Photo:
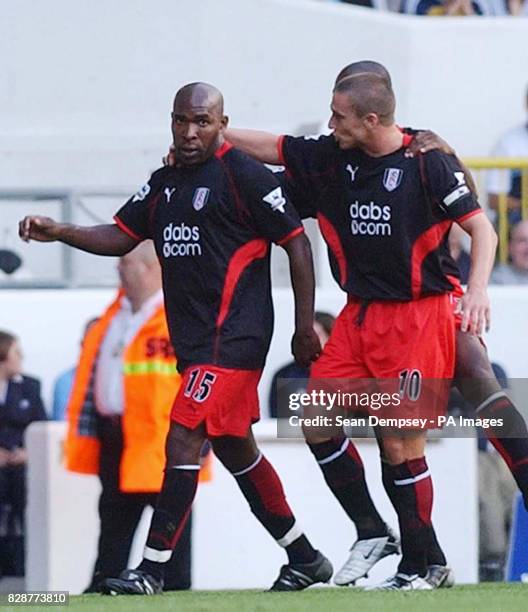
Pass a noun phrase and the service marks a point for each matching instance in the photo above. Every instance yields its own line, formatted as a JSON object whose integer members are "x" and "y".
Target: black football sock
{"x": 169, "y": 518}
{"x": 413, "y": 500}
{"x": 343, "y": 472}
{"x": 262, "y": 488}
{"x": 435, "y": 554}
{"x": 510, "y": 440}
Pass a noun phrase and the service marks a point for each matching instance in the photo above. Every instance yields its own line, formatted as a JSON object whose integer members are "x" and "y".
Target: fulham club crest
{"x": 392, "y": 178}
{"x": 200, "y": 198}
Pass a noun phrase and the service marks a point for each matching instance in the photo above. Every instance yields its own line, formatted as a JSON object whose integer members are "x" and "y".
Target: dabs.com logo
{"x": 181, "y": 240}
{"x": 370, "y": 219}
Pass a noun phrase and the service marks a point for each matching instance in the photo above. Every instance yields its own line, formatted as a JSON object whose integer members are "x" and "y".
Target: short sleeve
{"x": 446, "y": 183}
{"x": 133, "y": 218}
{"x": 299, "y": 197}
{"x": 270, "y": 209}
{"x": 309, "y": 161}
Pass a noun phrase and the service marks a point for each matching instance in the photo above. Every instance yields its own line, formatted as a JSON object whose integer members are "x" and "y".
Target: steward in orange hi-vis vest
{"x": 150, "y": 383}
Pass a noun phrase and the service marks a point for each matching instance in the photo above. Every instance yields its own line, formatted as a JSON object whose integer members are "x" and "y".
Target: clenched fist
{"x": 42, "y": 229}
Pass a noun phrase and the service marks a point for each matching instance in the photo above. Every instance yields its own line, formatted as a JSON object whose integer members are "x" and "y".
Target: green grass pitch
{"x": 474, "y": 598}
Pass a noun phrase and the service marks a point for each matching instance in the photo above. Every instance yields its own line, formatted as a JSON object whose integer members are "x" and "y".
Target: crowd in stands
{"x": 454, "y": 8}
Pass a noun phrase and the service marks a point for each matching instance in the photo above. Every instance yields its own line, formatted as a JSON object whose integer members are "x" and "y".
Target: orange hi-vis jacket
{"x": 150, "y": 384}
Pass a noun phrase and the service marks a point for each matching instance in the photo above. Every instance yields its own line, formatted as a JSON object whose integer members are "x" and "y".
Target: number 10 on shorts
{"x": 199, "y": 385}
{"x": 410, "y": 384}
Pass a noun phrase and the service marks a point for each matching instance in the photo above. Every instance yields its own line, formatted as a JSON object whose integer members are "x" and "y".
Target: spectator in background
{"x": 515, "y": 272}
{"x": 64, "y": 383}
{"x": 445, "y": 8}
{"x": 20, "y": 405}
{"x": 515, "y": 8}
{"x": 118, "y": 414}
{"x": 323, "y": 324}
{"x": 513, "y": 143}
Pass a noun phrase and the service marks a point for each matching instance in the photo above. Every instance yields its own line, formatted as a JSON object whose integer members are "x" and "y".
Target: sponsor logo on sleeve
{"x": 459, "y": 192}
{"x": 142, "y": 193}
{"x": 276, "y": 200}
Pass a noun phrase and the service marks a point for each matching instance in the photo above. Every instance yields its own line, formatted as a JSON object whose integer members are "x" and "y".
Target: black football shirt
{"x": 386, "y": 219}
{"x": 212, "y": 225}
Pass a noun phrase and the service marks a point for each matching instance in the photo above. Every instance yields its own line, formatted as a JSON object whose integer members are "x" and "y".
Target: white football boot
{"x": 364, "y": 554}
{"x": 402, "y": 582}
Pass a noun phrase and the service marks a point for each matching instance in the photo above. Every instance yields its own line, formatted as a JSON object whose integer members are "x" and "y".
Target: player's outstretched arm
{"x": 260, "y": 145}
{"x": 305, "y": 342}
{"x": 98, "y": 239}
{"x": 475, "y": 305}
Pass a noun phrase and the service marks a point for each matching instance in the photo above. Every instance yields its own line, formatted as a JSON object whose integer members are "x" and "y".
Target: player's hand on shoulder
{"x": 36, "y": 227}
{"x": 306, "y": 347}
{"x": 475, "y": 309}
{"x": 426, "y": 141}
{"x": 170, "y": 158}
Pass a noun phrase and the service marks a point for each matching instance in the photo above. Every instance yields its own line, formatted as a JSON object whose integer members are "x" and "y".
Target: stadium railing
{"x": 58, "y": 266}
{"x": 480, "y": 164}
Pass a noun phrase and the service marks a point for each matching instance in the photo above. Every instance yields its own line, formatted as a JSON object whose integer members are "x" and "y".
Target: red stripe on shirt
{"x": 426, "y": 243}
{"x": 280, "y": 142}
{"x": 296, "y": 232}
{"x": 219, "y": 153}
{"x": 468, "y": 215}
{"x": 126, "y": 229}
{"x": 334, "y": 243}
{"x": 407, "y": 139}
{"x": 241, "y": 259}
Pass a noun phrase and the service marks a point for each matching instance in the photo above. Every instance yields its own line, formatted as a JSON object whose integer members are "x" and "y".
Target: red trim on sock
{"x": 502, "y": 451}
{"x": 352, "y": 452}
{"x": 423, "y": 488}
{"x": 269, "y": 488}
{"x": 178, "y": 531}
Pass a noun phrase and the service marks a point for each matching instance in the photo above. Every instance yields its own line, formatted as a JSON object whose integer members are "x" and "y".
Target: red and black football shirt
{"x": 386, "y": 219}
{"x": 212, "y": 225}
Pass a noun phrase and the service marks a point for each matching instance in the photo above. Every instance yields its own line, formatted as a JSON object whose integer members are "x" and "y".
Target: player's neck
{"x": 384, "y": 141}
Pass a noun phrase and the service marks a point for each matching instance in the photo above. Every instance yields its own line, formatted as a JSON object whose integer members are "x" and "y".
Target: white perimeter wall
{"x": 81, "y": 83}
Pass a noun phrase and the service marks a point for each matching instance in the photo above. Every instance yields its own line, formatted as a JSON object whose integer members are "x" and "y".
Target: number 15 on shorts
{"x": 199, "y": 385}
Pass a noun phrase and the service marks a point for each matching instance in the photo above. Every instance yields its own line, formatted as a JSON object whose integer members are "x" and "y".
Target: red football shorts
{"x": 224, "y": 398}
{"x": 393, "y": 347}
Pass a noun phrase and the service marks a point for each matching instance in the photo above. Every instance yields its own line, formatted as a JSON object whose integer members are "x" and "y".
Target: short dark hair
{"x": 325, "y": 320}
{"x": 364, "y": 67}
{"x": 371, "y": 94}
{"x": 6, "y": 342}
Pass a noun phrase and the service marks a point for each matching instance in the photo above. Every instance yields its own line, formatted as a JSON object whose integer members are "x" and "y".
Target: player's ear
{"x": 371, "y": 120}
{"x": 224, "y": 122}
